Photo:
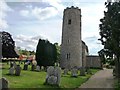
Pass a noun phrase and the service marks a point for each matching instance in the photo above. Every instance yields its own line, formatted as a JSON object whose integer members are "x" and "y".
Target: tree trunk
{"x": 117, "y": 66}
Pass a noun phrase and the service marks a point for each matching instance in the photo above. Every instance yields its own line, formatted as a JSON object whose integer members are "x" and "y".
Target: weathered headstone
{"x": 25, "y": 66}
{"x": 53, "y": 76}
{"x": 11, "y": 70}
{"x": 37, "y": 68}
{"x": 57, "y": 73}
{"x": 50, "y": 71}
{"x": 32, "y": 67}
{"x": 3, "y": 84}
{"x": 52, "y": 80}
{"x": 17, "y": 70}
{"x": 74, "y": 72}
{"x": 82, "y": 71}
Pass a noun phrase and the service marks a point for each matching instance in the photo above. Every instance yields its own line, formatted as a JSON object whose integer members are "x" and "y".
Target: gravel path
{"x": 102, "y": 79}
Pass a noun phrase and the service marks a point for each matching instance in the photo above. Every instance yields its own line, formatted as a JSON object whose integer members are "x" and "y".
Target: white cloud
{"x": 4, "y": 8}
{"x": 3, "y": 24}
{"x": 27, "y": 42}
{"x": 24, "y": 13}
{"x": 44, "y": 13}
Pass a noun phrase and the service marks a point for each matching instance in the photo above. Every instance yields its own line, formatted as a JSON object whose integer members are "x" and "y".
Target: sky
{"x": 29, "y": 20}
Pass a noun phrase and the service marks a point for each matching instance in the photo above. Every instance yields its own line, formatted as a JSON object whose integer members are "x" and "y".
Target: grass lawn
{"x": 33, "y": 79}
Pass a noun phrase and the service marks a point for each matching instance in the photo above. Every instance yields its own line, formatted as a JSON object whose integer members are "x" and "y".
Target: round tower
{"x": 71, "y": 46}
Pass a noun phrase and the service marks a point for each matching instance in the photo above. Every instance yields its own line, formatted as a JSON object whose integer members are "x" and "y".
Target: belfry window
{"x": 69, "y": 21}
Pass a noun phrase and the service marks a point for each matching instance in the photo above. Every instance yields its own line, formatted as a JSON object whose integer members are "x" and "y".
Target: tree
{"x": 110, "y": 32}
{"x": 8, "y": 45}
{"x": 46, "y": 53}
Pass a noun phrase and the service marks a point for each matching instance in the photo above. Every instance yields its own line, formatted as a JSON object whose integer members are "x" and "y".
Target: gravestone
{"x": 3, "y": 84}
{"x": 74, "y": 72}
{"x": 82, "y": 71}
{"x": 65, "y": 71}
{"x": 57, "y": 73}
{"x": 25, "y": 66}
{"x": 32, "y": 67}
{"x": 17, "y": 70}
{"x": 37, "y": 68}
{"x": 11, "y": 70}
{"x": 52, "y": 80}
{"x": 53, "y": 76}
{"x": 50, "y": 71}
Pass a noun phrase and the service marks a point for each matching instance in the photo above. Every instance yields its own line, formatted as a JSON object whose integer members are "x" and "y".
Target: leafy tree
{"x": 46, "y": 53}
{"x": 110, "y": 32}
{"x": 58, "y": 51}
{"x": 8, "y": 45}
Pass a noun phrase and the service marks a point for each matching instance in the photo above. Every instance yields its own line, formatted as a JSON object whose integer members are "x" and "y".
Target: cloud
{"x": 44, "y": 13}
{"x": 27, "y": 42}
{"x": 24, "y": 13}
{"x": 4, "y": 8}
{"x": 54, "y": 8}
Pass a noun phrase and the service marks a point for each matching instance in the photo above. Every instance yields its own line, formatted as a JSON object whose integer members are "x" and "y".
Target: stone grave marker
{"x": 17, "y": 70}
{"x": 57, "y": 73}
{"x": 74, "y": 72}
{"x": 37, "y": 68}
{"x": 3, "y": 83}
{"x": 82, "y": 71}
{"x": 32, "y": 67}
{"x": 11, "y": 70}
{"x": 53, "y": 76}
{"x": 25, "y": 66}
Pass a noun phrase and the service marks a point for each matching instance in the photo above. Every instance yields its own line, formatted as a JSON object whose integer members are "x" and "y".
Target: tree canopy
{"x": 110, "y": 28}
{"x": 8, "y": 45}
{"x": 46, "y": 53}
{"x": 110, "y": 31}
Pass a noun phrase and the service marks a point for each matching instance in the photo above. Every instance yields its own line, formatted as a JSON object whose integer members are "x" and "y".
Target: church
{"x": 74, "y": 51}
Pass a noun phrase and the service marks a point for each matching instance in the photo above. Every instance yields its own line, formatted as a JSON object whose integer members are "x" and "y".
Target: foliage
{"x": 110, "y": 31}
{"x": 25, "y": 52}
{"x": 46, "y": 53}
{"x": 58, "y": 51}
{"x": 8, "y": 45}
{"x": 110, "y": 28}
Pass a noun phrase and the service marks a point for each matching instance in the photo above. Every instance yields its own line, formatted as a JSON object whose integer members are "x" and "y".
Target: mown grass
{"x": 33, "y": 79}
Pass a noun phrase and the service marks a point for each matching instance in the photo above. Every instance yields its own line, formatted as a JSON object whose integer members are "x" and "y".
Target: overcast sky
{"x": 29, "y": 20}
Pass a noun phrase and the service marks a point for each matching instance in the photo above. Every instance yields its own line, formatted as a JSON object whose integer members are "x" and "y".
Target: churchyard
{"x": 37, "y": 79}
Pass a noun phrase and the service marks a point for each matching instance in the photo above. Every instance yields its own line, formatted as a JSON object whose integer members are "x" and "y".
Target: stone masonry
{"x": 71, "y": 47}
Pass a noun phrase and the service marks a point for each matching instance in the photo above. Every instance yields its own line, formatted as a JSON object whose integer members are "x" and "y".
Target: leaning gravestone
{"x": 11, "y": 70}
{"x": 82, "y": 71}
{"x": 74, "y": 72}
{"x": 25, "y": 66}
{"x": 3, "y": 84}
{"x": 17, "y": 70}
{"x": 53, "y": 76}
{"x": 37, "y": 68}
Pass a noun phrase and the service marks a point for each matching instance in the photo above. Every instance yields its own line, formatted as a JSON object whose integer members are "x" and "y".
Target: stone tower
{"x": 71, "y": 46}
